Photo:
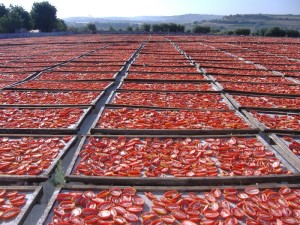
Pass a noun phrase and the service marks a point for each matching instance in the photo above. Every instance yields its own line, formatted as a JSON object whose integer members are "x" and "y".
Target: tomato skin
{"x": 19, "y": 203}
{"x": 178, "y": 214}
{"x": 225, "y": 213}
{"x": 251, "y": 190}
{"x": 77, "y": 220}
{"x": 169, "y": 219}
{"x": 159, "y": 210}
{"x": 209, "y": 214}
{"x": 249, "y": 210}
{"x": 290, "y": 220}
{"x": 296, "y": 213}
{"x": 119, "y": 220}
{"x": 188, "y": 222}
{"x": 231, "y": 221}
{"x": 131, "y": 217}
{"x": 148, "y": 216}
{"x": 232, "y": 198}
{"x": 2, "y": 193}
{"x": 237, "y": 212}
{"x": 207, "y": 222}
{"x": 10, "y": 213}
{"x": 91, "y": 219}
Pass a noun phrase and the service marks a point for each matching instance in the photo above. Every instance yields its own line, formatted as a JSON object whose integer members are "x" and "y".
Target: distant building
{"x": 35, "y": 31}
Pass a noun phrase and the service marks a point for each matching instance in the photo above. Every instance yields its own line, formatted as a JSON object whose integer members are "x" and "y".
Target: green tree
{"x": 168, "y": 27}
{"x": 156, "y": 28}
{"x": 174, "y": 28}
{"x": 260, "y": 32}
{"x": 230, "y": 32}
{"x": 215, "y": 31}
{"x": 92, "y": 27}
{"x": 137, "y": 29}
{"x": 3, "y": 10}
{"x": 111, "y": 28}
{"x": 292, "y": 33}
{"x": 58, "y": 179}
{"x": 43, "y": 16}
{"x": 201, "y": 29}
{"x": 25, "y": 16}
{"x": 61, "y": 25}
{"x": 242, "y": 31}
{"x": 10, "y": 22}
{"x": 129, "y": 28}
{"x": 146, "y": 27}
{"x": 275, "y": 32}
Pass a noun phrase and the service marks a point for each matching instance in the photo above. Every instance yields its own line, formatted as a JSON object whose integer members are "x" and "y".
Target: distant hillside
{"x": 254, "y": 21}
{"x": 217, "y": 23}
{"x": 188, "y": 18}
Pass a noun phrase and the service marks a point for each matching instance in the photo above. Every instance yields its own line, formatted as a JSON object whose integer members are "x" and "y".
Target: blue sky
{"x": 104, "y": 8}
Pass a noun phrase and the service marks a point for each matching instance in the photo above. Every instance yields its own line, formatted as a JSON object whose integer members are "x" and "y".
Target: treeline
{"x": 276, "y": 32}
{"x": 197, "y": 29}
{"x": 266, "y": 32}
{"x": 41, "y": 17}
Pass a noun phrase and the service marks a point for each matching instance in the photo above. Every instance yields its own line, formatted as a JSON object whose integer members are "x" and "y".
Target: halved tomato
{"x": 131, "y": 217}
{"x": 231, "y": 221}
{"x": 115, "y": 191}
{"x": 104, "y": 214}
{"x": 178, "y": 214}
{"x": 10, "y": 213}
{"x": 251, "y": 190}
{"x": 188, "y": 222}
{"x": 225, "y": 213}
{"x": 209, "y": 214}
{"x": 67, "y": 205}
{"x": 237, "y": 212}
{"x": 168, "y": 219}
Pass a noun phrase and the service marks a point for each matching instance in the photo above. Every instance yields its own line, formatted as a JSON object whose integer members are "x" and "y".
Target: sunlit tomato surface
{"x": 4, "y": 84}
{"x": 293, "y": 144}
{"x": 165, "y": 76}
{"x": 29, "y": 155}
{"x": 11, "y": 204}
{"x": 295, "y": 67}
{"x": 263, "y": 88}
{"x": 194, "y": 208}
{"x": 267, "y": 101}
{"x": 171, "y": 100}
{"x": 177, "y": 157}
{"x": 104, "y": 207}
{"x": 164, "y": 69}
{"x": 47, "y": 98}
{"x": 65, "y": 85}
{"x": 167, "y": 86}
{"x": 256, "y": 79}
{"x": 278, "y": 121}
{"x": 59, "y": 76}
{"x": 164, "y": 63}
{"x": 20, "y": 69}
{"x": 87, "y": 68}
{"x": 4, "y": 77}
{"x": 95, "y": 63}
{"x": 40, "y": 118}
{"x": 241, "y": 65}
{"x": 294, "y": 74}
{"x": 238, "y": 72}
{"x": 138, "y": 118}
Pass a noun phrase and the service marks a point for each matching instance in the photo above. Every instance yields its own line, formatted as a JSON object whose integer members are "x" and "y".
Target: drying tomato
{"x": 170, "y": 100}
{"x": 32, "y": 155}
